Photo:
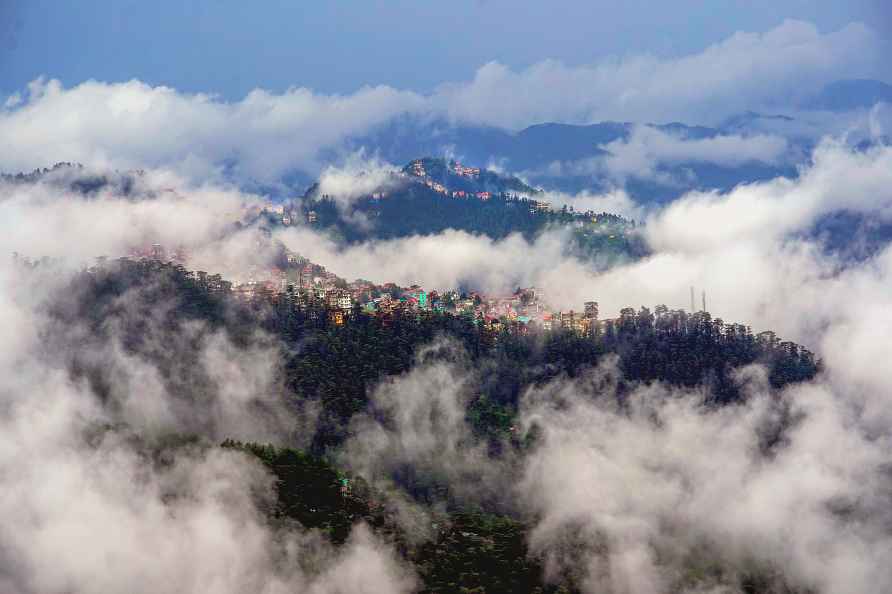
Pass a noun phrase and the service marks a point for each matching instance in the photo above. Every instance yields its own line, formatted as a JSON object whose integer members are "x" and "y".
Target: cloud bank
{"x": 266, "y": 136}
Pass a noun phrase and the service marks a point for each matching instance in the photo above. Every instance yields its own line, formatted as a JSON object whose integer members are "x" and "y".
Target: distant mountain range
{"x": 575, "y": 158}
{"x": 566, "y": 157}
{"x": 559, "y": 156}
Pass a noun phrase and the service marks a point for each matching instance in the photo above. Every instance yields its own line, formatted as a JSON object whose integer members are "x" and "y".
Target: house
{"x": 537, "y": 206}
{"x": 465, "y": 171}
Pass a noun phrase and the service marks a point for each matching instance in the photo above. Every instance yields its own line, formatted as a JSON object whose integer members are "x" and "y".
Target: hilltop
{"x": 429, "y": 196}
{"x": 443, "y": 175}
{"x": 565, "y": 157}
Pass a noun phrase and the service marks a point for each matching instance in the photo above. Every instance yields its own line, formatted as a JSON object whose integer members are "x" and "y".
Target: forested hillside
{"x": 162, "y": 313}
{"x": 488, "y": 204}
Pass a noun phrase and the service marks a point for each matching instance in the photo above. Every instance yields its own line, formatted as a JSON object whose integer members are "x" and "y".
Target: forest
{"x": 415, "y": 209}
{"x": 161, "y": 312}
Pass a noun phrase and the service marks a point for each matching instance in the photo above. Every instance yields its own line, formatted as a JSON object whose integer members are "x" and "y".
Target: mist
{"x": 625, "y": 494}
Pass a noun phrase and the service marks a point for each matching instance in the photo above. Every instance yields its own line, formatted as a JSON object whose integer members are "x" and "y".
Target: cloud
{"x": 52, "y": 218}
{"x": 90, "y": 478}
{"x": 745, "y": 71}
{"x": 88, "y": 485}
{"x": 446, "y": 260}
{"x": 616, "y": 202}
{"x": 418, "y": 421}
{"x": 266, "y": 136}
{"x": 648, "y": 148}
{"x": 654, "y": 491}
{"x": 133, "y": 125}
{"x": 663, "y": 494}
{"x": 357, "y": 178}
{"x": 629, "y": 497}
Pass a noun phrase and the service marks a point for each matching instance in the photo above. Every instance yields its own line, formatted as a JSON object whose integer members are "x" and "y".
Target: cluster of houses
{"x": 417, "y": 169}
{"x": 312, "y": 285}
{"x": 457, "y": 169}
{"x": 289, "y": 214}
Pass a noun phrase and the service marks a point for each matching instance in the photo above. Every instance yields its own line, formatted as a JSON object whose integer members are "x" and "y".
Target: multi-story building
{"x": 344, "y": 300}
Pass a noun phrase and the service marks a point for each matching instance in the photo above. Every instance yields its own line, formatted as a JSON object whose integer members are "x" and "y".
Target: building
{"x": 538, "y": 206}
{"x": 465, "y": 171}
{"x": 547, "y": 323}
{"x": 568, "y": 320}
{"x": 344, "y": 300}
{"x": 305, "y": 278}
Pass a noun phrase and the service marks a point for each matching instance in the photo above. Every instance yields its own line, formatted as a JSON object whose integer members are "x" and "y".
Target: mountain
{"x": 570, "y": 158}
{"x": 471, "y": 540}
{"x": 429, "y": 196}
{"x": 74, "y": 177}
{"x": 846, "y": 95}
{"x": 456, "y": 177}
{"x": 752, "y": 121}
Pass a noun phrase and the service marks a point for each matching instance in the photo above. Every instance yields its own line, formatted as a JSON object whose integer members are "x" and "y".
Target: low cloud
{"x": 648, "y": 148}
{"x": 663, "y": 494}
{"x": 89, "y": 485}
{"x": 265, "y": 136}
{"x": 133, "y": 125}
{"x": 627, "y": 497}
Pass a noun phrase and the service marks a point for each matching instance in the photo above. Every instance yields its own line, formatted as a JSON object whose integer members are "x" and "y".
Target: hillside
{"x": 474, "y": 539}
{"x": 431, "y": 197}
{"x": 558, "y": 156}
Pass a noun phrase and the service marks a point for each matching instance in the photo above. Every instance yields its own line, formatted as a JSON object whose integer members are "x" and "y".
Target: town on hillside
{"x": 314, "y": 287}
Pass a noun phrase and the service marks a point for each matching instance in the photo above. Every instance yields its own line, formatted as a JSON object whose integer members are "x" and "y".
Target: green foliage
{"x": 416, "y": 209}
{"x": 469, "y": 551}
{"x": 160, "y": 312}
{"x": 339, "y": 365}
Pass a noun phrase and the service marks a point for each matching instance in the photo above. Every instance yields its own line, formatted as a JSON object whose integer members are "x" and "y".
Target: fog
{"x": 627, "y": 498}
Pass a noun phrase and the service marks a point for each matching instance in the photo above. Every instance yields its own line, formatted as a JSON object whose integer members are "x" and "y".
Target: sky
{"x": 229, "y": 47}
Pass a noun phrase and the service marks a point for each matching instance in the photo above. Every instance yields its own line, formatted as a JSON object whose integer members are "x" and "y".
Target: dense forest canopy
{"x": 163, "y": 314}
{"x": 430, "y": 198}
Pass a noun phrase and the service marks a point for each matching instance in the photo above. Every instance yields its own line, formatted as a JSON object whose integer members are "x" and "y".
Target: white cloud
{"x": 746, "y": 71}
{"x": 134, "y": 125}
{"x": 663, "y": 494}
{"x": 265, "y": 135}
{"x": 616, "y": 202}
{"x": 647, "y": 148}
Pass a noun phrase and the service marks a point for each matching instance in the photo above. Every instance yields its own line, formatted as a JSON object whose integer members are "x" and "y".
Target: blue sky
{"x": 229, "y": 47}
